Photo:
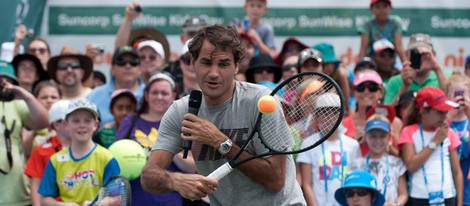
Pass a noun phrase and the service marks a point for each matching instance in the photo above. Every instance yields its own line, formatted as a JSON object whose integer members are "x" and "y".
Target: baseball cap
{"x": 124, "y": 50}
{"x": 434, "y": 98}
{"x": 57, "y": 111}
{"x": 372, "y": 2}
{"x": 382, "y": 45}
{"x": 122, "y": 92}
{"x": 377, "y": 124}
{"x": 359, "y": 179}
{"x": 310, "y": 53}
{"x": 186, "y": 46}
{"x": 420, "y": 40}
{"x": 328, "y": 100}
{"x": 367, "y": 75}
{"x": 384, "y": 110}
{"x": 194, "y": 24}
{"x": 365, "y": 63}
{"x": 162, "y": 76}
{"x": 155, "y": 45}
{"x": 81, "y": 104}
{"x": 6, "y": 69}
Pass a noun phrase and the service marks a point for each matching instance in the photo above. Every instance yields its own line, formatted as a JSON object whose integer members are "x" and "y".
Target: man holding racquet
{"x": 227, "y": 115}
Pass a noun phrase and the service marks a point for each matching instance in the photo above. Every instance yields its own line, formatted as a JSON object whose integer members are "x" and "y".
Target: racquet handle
{"x": 221, "y": 172}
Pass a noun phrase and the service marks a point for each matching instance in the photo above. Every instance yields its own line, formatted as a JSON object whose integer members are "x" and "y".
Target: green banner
{"x": 286, "y": 22}
{"x": 14, "y": 12}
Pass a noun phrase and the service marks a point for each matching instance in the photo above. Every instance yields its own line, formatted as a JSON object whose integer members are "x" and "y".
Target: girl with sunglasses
{"x": 359, "y": 189}
{"x": 387, "y": 169}
{"x": 429, "y": 150}
{"x": 368, "y": 91}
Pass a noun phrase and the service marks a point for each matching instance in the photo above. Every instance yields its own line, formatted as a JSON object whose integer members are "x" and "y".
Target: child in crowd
{"x": 458, "y": 89}
{"x": 76, "y": 173}
{"x": 323, "y": 168}
{"x": 387, "y": 169}
{"x": 123, "y": 102}
{"x": 255, "y": 9}
{"x": 40, "y": 156}
{"x": 381, "y": 26}
{"x": 429, "y": 150}
{"x": 359, "y": 189}
{"x": 47, "y": 92}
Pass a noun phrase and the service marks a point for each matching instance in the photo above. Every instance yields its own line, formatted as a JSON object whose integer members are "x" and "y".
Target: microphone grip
{"x": 187, "y": 143}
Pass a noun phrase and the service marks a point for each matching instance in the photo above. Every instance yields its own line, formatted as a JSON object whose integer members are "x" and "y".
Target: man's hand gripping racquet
{"x": 313, "y": 106}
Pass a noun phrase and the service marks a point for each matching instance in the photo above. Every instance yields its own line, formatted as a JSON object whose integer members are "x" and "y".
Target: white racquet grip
{"x": 221, "y": 172}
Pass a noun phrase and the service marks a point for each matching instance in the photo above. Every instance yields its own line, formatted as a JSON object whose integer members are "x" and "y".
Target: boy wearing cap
{"x": 381, "y": 26}
{"x": 430, "y": 72}
{"x": 383, "y": 53}
{"x": 387, "y": 169}
{"x": 323, "y": 168}
{"x": 359, "y": 189}
{"x": 38, "y": 160}
{"x": 429, "y": 150}
{"x": 76, "y": 173}
{"x": 19, "y": 110}
{"x": 310, "y": 60}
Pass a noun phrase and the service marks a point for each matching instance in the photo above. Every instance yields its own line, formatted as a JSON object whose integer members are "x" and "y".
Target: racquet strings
{"x": 116, "y": 191}
{"x": 311, "y": 107}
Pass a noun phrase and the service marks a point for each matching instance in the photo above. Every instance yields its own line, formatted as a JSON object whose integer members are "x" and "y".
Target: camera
{"x": 138, "y": 9}
{"x": 6, "y": 96}
{"x": 99, "y": 48}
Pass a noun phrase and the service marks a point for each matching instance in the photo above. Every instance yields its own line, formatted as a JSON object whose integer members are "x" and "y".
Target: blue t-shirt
{"x": 101, "y": 96}
{"x": 266, "y": 33}
{"x": 461, "y": 129}
{"x": 145, "y": 133}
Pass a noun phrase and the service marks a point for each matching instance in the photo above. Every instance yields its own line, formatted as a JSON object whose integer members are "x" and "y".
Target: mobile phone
{"x": 246, "y": 24}
{"x": 415, "y": 58}
{"x": 458, "y": 92}
{"x": 138, "y": 9}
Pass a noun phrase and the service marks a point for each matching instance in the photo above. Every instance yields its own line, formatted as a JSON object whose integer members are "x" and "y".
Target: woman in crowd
{"x": 143, "y": 127}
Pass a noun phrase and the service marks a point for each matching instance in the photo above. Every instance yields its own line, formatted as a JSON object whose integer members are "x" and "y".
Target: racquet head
{"x": 313, "y": 106}
{"x": 117, "y": 192}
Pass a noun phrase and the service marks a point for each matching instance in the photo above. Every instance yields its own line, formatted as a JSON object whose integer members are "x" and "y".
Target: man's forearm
{"x": 156, "y": 180}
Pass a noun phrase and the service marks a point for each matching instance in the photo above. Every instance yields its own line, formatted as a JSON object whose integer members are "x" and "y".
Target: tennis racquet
{"x": 313, "y": 107}
{"x": 116, "y": 192}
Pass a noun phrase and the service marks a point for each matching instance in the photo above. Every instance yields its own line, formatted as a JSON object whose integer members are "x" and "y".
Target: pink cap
{"x": 367, "y": 76}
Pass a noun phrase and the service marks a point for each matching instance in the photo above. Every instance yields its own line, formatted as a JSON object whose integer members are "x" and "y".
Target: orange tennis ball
{"x": 267, "y": 104}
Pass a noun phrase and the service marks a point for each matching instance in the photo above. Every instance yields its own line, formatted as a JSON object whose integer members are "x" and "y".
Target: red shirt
{"x": 40, "y": 157}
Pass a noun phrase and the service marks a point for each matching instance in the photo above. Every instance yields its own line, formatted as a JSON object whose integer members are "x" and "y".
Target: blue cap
{"x": 359, "y": 179}
{"x": 377, "y": 124}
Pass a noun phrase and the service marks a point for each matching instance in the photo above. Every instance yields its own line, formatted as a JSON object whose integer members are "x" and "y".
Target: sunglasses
{"x": 261, "y": 70}
{"x": 360, "y": 192}
{"x": 291, "y": 49}
{"x": 288, "y": 67}
{"x": 386, "y": 54}
{"x": 122, "y": 63}
{"x": 64, "y": 66}
{"x": 33, "y": 50}
{"x": 370, "y": 87}
{"x": 186, "y": 59}
{"x": 149, "y": 57}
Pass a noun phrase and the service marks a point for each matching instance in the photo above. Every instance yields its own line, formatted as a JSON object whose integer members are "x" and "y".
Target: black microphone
{"x": 195, "y": 98}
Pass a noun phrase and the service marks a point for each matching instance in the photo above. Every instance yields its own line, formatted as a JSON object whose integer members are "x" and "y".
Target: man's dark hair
{"x": 222, "y": 37}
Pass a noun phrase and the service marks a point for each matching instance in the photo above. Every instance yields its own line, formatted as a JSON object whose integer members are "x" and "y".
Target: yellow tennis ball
{"x": 267, "y": 104}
